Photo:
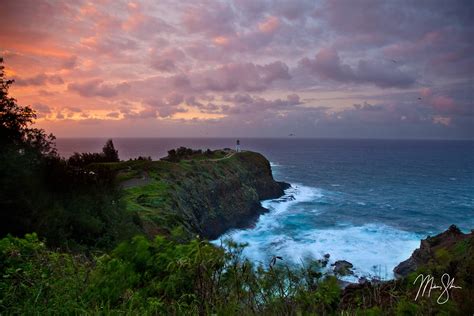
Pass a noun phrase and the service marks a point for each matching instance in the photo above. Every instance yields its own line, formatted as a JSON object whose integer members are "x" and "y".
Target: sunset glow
{"x": 246, "y": 68}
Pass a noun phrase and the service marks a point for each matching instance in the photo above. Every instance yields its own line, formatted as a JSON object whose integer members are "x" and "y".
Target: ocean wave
{"x": 374, "y": 248}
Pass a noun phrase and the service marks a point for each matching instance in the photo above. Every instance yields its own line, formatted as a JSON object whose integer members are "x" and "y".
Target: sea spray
{"x": 288, "y": 230}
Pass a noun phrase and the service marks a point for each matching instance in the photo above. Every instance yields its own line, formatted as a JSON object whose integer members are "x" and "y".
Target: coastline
{"x": 262, "y": 223}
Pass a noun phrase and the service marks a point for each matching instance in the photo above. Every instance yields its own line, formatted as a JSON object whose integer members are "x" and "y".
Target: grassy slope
{"x": 159, "y": 191}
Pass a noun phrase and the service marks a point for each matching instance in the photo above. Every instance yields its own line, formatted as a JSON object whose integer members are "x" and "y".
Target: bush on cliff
{"x": 176, "y": 155}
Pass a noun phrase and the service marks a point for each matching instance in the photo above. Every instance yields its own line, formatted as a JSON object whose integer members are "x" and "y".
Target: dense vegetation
{"x": 160, "y": 276}
{"x": 183, "y": 153}
{"x": 68, "y": 201}
{"x": 170, "y": 277}
{"x": 74, "y": 241}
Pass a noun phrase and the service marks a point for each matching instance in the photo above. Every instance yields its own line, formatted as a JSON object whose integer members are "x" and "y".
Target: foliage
{"x": 160, "y": 276}
{"x": 70, "y": 202}
{"x": 166, "y": 276}
{"x": 110, "y": 153}
{"x": 15, "y": 131}
{"x": 176, "y": 155}
{"x": 37, "y": 281}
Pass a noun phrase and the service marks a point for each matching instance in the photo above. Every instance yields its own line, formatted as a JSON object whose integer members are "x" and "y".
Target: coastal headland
{"x": 206, "y": 193}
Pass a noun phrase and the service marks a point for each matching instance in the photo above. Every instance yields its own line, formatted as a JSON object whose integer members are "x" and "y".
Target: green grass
{"x": 147, "y": 197}
{"x": 159, "y": 201}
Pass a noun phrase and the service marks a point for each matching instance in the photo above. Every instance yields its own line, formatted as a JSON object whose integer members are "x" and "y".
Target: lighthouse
{"x": 237, "y": 145}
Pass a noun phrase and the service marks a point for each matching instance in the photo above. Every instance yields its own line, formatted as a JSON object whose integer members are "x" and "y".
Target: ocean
{"x": 365, "y": 201}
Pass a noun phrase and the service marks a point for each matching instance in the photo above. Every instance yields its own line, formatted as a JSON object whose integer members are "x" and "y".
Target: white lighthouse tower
{"x": 237, "y": 145}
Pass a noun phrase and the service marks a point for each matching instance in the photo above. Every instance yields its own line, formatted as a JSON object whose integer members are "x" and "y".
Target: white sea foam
{"x": 374, "y": 249}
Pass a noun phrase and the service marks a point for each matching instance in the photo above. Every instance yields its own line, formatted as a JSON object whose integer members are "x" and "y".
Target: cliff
{"x": 431, "y": 250}
{"x": 450, "y": 252}
{"x": 206, "y": 194}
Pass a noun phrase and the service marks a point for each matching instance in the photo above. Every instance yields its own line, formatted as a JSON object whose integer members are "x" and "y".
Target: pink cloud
{"x": 167, "y": 59}
{"x": 241, "y": 76}
{"x": 97, "y": 87}
{"x": 328, "y": 65}
{"x": 442, "y": 103}
{"x": 184, "y": 55}
{"x": 215, "y": 19}
{"x": 40, "y": 80}
{"x": 270, "y": 25}
{"x": 426, "y": 92}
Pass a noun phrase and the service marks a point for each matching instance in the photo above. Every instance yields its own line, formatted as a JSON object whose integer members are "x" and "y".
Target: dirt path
{"x": 135, "y": 182}
{"x": 225, "y": 157}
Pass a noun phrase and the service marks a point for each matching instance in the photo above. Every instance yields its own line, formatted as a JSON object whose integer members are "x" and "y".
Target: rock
{"x": 426, "y": 252}
{"x": 343, "y": 267}
{"x": 227, "y": 195}
{"x": 363, "y": 280}
{"x": 324, "y": 261}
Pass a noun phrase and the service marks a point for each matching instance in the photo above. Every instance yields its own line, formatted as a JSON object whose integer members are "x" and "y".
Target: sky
{"x": 244, "y": 68}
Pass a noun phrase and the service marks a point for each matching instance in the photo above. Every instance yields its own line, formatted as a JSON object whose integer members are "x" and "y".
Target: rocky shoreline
{"x": 428, "y": 253}
{"x": 429, "y": 250}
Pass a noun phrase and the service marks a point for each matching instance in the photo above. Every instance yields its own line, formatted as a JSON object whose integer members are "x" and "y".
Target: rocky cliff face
{"x": 206, "y": 196}
{"x": 221, "y": 195}
{"x": 451, "y": 253}
{"x": 428, "y": 250}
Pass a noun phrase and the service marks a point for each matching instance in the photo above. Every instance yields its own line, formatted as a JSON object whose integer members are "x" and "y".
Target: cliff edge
{"x": 206, "y": 194}
{"x": 432, "y": 250}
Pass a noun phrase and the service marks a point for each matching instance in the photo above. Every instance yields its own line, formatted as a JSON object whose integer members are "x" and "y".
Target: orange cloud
{"x": 221, "y": 40}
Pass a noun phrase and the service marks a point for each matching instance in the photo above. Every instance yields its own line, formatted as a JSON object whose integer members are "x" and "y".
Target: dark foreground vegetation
{"x": 76, "y": 240}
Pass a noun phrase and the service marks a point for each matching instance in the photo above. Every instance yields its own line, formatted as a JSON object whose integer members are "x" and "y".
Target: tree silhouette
{"x": 110, "y": 153}
{"x": 15, "y": 121}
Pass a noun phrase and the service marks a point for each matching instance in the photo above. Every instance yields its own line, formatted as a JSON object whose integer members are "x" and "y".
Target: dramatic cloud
{"x": 242, "y": 77}
{"x": 39, "y": 80}
{"x": 328, "y": 65}
{"x": 167, "y": 59}
{"x": 242, "y": 67}
{"x": 96, "y": 87}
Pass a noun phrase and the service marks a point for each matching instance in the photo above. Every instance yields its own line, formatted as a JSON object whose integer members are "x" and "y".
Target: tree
{"x": 15, "y": 121}
{"x": 110, "y": 153}
{"x": 24, "y": 151}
